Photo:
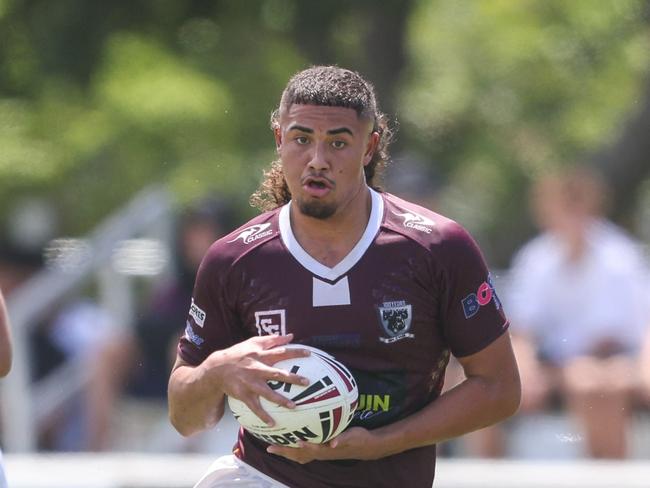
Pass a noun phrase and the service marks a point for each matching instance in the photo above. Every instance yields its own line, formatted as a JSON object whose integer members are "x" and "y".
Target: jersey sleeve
{"x": 211, "y": 324}
{"x": 472, "y": 314}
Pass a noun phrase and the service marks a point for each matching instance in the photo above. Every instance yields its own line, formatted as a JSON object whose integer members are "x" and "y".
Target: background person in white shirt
{"x": 578, "y": 309}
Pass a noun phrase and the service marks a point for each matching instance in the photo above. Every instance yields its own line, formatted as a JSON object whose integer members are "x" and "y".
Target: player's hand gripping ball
{"x": 324, "y": 408}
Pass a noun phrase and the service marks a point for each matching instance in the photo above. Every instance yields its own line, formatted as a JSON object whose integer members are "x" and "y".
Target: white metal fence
{"x": 24, "y": 404}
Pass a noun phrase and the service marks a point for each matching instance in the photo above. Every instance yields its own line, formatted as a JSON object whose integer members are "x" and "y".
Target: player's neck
{"x": 330, "y": 240}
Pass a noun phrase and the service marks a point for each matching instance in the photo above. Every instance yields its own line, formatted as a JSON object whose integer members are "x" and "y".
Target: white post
{"x": 19, "y": 429}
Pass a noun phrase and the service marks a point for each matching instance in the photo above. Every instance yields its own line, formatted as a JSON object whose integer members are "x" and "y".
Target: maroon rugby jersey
{"x": 413, "y": 290}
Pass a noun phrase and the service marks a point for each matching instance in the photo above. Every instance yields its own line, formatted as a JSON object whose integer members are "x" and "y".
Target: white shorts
{"x": 228, "y": 471}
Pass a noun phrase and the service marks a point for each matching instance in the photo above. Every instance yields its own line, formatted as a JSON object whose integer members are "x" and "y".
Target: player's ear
{"x": 278, "y": 138}
{"x": 371, "y": 147}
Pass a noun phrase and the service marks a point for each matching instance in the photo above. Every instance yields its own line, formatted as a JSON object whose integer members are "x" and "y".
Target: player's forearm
{"x": 196, "y": 402}
{"x": 473, "y": 404}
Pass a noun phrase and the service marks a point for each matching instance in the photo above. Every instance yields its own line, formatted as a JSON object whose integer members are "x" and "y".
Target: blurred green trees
{"x": 498, "y": 92}
{"x": 98, "y": 99}
{"x": 102, "y": 98}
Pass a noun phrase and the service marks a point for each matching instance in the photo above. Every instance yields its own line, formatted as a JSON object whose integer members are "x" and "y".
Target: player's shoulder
{"x": 243, "y": 240}
{"x": 422, "y": 225}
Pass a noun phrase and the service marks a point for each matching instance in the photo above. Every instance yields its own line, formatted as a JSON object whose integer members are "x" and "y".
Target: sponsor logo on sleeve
{"x": 395, "y": 318}
{"x": 253, "y": 233}
{"x": 270, "y": 322}
{"x": 416, "y": 221}
{"x": 486, "y": 293}
{"x": 197, "y": 314}
{"x": 191, "y": 336}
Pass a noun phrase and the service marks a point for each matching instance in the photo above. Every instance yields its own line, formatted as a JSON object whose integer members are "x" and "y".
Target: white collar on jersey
{"x": 331, "y": 274}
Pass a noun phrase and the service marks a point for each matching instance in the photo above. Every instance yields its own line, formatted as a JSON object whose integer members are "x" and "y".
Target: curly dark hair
{"x": 333, "y": 87}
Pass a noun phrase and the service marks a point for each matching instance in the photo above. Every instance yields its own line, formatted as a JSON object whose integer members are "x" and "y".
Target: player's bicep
{"x": 495, "y": 363}
{"x": 180, "y": 362}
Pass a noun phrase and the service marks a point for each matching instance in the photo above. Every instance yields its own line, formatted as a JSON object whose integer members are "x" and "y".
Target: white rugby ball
{"x": 324, "y": 408}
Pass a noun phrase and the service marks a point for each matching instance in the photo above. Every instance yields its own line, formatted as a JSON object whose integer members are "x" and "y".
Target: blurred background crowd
{"x": 132, "y": 134}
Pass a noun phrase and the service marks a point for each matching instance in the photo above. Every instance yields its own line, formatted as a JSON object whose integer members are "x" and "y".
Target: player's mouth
{"x": 317, "y": 186}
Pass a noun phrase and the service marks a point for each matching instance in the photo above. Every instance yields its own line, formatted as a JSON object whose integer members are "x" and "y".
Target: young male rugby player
{"x": 389, "y": 288}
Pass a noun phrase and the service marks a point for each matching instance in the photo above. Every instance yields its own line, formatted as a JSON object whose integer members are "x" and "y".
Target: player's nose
{"x": 318, "y": 160}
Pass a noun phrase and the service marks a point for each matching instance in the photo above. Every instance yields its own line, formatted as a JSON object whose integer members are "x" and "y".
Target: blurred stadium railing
{"x": 109, "y": 257}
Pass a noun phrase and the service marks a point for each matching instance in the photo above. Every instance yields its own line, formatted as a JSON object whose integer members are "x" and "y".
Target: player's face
{"x": 323, "y": 152}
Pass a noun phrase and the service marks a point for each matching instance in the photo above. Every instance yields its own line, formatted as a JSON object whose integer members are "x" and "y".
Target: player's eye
{"x": 301, "y": 140}
{"x": 338, "y": 144}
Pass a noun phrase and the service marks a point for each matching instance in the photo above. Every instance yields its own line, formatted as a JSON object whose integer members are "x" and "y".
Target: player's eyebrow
{"x": 332, "y": 132}
{"x": 301, "y": 129}
{"x": 340, "y": 130}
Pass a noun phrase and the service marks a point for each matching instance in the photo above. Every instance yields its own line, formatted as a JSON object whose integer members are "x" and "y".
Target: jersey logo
{"x": 197, "y": 314}
{"x": 270, "y": 322}
{"x": 473, "y": 302}
{"x": 253, "y": 233}
{"x": 416, "y": 221}
{"x": 395, "y": 318}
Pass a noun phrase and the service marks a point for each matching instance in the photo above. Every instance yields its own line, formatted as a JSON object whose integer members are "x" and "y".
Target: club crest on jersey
{"x": 485, "y": 293}
{"x": 254, "y": 232}
{"x": 416, "y": 221}
{"x": 270, "y": 322}
{"x": 395, "y": 318}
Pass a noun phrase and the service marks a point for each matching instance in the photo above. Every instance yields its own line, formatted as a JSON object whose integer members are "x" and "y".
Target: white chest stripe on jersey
{"x": 331, "y": 274}
{"x": 327, "y": 295}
